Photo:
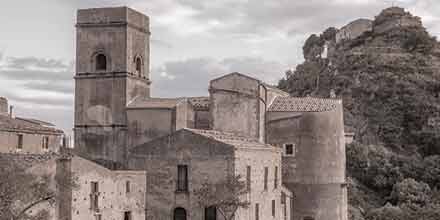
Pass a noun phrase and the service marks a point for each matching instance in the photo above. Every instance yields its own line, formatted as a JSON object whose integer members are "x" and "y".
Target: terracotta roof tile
{"x": 199, "y": 103}
{"x": 229, "y": 138}
{"x": 306, "y": 104}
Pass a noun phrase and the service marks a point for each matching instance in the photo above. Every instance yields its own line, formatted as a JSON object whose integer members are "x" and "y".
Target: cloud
{"x": 191, "y": 77}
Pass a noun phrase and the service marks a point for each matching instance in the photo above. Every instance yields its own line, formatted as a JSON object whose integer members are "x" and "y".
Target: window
{"x": 289, "y": 149}
{"x": 45, "y": 143}
{"x": 127, "y": 215}
{"x": 273, "y": 208}
{"x": 179, "y": 214}
{"x": 98, "y": 217}
{"x": 257, "y": 211}
{"x": 182, "y": 178}
{"x": 127, "y": 187}
{"x": 276, "y": 177}
{"x": 266, "y": 173}
{"x": 211, "y": 213}
{"x": 101, "y": 62}
{"x": 20, "y": 141}
{"x": 94, "y": 196}
{"x": 139, "y": 66}
{"x": 248, "y": 178}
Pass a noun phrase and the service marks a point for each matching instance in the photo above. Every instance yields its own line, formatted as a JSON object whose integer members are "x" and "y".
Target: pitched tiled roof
{"x": 229, "y": 138}
{"x": 306, "y": 104}
{"x": 199, "y": 103}
{"x": 155, "y": 103}
{"x": 25, "y": 125}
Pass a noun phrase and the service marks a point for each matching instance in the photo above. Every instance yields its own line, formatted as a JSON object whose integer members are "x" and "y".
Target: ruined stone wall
{"x": 32, "y": 142}
{"x": 207, "y": 160}
{"x": 113, "y": 199}
{"x": 258, "y": 159}
{"x": 354, "y": 29}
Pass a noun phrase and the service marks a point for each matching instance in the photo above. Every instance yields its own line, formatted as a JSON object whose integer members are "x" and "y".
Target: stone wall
{"x": 32, "y": 142}
{"x": 113, "y": 199}
{"x": 354, "y": 29}
{"x": 207, "y": 160}
{"x": 75, "y": 203}
{"x": 258, "y": 159}
{"x": 237, "y": 105}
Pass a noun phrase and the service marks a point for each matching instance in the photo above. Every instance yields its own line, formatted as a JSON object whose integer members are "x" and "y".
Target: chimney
{"x": 11, "y": 111}
{"x": 3, "y": 106}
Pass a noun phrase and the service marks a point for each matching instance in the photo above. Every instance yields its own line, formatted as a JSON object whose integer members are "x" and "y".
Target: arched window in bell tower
{"x": 139, "y": 66}
{"x": 100, "y": 62}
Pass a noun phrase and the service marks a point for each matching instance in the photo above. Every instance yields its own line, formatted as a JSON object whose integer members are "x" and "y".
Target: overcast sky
{"x": 192, "y": 42}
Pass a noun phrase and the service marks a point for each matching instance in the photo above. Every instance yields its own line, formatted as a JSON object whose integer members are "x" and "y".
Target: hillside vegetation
{"x": 388, "y": 75}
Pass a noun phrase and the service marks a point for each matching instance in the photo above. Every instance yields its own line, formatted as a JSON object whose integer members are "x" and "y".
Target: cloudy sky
{"x": 192, "y": 41}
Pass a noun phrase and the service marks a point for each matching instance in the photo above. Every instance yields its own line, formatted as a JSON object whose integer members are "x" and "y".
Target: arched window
{"x": 211, "y": 213}
{"x": 179, "y": 214}
{"x": 101, "y": 62}
{"x": 139, "y": 66}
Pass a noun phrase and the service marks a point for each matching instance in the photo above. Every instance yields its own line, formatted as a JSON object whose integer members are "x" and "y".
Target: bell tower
{"x": 112, "y": 68}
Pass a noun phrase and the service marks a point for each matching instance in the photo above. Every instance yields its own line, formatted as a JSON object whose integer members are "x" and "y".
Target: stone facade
{"x": 112, "y": 69}
{"x": 210, "y": 156}
{"x": 117, "y": 192}
{"x": 24, "y": 135}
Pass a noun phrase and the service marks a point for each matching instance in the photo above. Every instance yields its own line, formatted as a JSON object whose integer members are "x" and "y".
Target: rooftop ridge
{"x": 303, "y": 104}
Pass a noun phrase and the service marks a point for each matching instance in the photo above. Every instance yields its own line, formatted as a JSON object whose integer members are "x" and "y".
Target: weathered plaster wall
{"x": 319, "y": 186}
{"x": 207, "y": 160}
{"x": 202, "y": 119}
{"x": 236, "y": 105}
{"x": 104, "y": 144}
{"x": 32, "y": 142}
{"x": 147, "y": 124}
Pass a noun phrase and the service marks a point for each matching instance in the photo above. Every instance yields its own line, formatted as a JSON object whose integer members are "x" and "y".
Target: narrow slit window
{"x": 139, "y": 66}
{"x": 182, "y": 178}
{"x": 20, "y": 141}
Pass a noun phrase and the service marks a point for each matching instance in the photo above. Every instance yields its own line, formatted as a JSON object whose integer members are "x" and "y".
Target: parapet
{"x": 112, "y": 16}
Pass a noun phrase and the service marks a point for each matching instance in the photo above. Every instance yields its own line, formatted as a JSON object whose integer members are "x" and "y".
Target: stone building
{"x": 99, "y": 193}
{"x": 290, "y": 150}
{"x": 24, "y": 135}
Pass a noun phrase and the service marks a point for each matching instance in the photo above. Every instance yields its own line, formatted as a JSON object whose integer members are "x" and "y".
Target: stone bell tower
{"x": 112, "y": 68}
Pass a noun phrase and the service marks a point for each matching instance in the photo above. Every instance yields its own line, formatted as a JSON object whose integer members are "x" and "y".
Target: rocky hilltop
{"x": 387, "y": 71}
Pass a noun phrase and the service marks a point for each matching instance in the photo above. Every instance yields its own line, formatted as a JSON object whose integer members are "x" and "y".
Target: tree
{"x": 22, "y": 191}
{"x": 411, "y": 193}
{"x": 226, "y": 196}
